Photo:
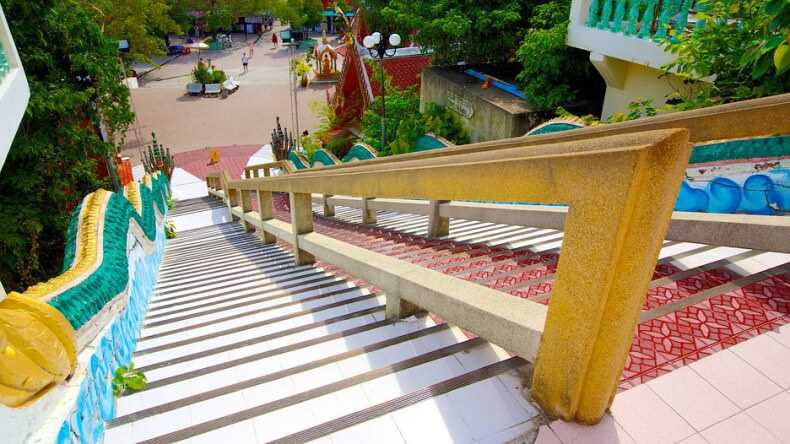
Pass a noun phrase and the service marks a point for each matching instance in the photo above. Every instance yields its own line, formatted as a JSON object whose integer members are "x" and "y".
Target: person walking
{"x": 274, "y": 40}
{"x": 245, "y": 60}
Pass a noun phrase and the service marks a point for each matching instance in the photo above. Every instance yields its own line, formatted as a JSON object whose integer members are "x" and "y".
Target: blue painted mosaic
{"x": 96, "y": 402}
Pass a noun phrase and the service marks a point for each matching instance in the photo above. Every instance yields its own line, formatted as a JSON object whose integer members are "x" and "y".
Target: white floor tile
{"x": 782, "y": 335}
{"x": 268, "y": 392}
{"x": 406, "y": 381}
{"x": 435, "y": 421}
{"x": 317, "y": 377}
{"x": 605, "y": 432}
{"x": 694, "y": 439}
{"x": 381, "y": 430}
{"x": 768, "y": 356}
{"x": 216, "y": 407}
{"x": 736, "y": 379}
{"x": 338, "y": 404}
{"x": 158, "y": 425}
{"x": 488, "y": 408}
{"x": 693, "y": 398}
{"x": 119, "y": 435}
{"x": 283, "y": 422}
{"x": 647, "y": 418}
{"x": 739, "y": 429}
{"x": 519, "y": 434}
{"x": 773, "y": 415}
{"x": 240, "y": 433}
{"x": 547, "y": 436}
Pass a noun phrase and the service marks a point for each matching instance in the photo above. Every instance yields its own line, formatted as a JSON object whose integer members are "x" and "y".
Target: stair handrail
{"x": 620, "y": 182}
{"x": 748, "y": 118}
{"x": 285, "y": 166}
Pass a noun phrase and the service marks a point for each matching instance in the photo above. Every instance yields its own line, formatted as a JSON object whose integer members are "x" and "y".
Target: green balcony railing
{"x": 647, "y": 19}
{"x": 5, "y": 64}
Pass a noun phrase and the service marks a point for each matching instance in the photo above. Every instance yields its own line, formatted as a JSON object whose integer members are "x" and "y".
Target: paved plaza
{"x": 247, "y": 117}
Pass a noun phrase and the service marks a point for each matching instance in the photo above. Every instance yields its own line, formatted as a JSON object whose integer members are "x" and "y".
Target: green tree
{"x": 736, "y": 45}
{"x": 218, "y": 14}
{"x": 144, "y": 23}
{"x": 401, "y": 105}
{"x": 405, "y": 123}
{"x": 299, "y": 13}
{"x": 457, "y": 31}
{"x": 73, "y": 73}
{"x": 553, "y": 73}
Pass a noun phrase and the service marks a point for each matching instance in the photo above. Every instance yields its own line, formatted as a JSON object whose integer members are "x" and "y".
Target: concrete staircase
{"x": 242, "y": 346}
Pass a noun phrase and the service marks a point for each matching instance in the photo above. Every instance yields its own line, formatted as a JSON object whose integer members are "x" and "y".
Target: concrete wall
{"x": 488, "y": 114}
{"x": 638, "y": 83}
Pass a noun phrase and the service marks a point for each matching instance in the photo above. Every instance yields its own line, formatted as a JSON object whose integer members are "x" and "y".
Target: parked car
{"x": 175, "y": 49}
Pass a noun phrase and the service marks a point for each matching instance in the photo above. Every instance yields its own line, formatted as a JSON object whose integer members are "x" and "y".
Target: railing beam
{"x": 301, "y": 223}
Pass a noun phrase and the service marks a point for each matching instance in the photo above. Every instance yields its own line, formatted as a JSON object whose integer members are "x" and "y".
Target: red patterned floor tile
{"x": 660, "y": 345}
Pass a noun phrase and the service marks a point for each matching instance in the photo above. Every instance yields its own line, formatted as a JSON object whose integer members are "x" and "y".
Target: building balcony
{"x": 14, "y": 90}
{"x": 624, "y": 39}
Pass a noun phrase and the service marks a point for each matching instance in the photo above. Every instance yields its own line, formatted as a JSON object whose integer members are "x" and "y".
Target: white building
{"x": 623, "y": 39}
{"x": 14, "y": 94}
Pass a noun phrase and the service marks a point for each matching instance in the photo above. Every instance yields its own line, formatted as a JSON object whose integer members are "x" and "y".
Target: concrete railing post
{"x": 301, "y": 223}
{"x": 438, "y": 226}
{"x": 246, "y": 207}
{"x": 233, "y": 200}
{"x": 398, "y": 308}
{"x": 265, "y": 213}
{"x": 368, "y": 214}
{"x": 329, "y": 209}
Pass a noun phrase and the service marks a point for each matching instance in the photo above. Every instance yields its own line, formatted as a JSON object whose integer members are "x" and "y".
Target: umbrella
{"x": 198, "y": 46}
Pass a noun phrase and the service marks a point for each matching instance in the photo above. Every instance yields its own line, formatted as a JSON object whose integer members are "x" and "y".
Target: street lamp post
{"x": 379, "y": 48}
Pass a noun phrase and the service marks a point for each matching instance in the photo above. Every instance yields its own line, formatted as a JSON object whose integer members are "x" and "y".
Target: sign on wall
{"x": 460, "y": 104}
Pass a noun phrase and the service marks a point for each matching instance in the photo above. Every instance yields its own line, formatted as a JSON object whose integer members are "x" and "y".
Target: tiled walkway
{"x": 739, "y": 395}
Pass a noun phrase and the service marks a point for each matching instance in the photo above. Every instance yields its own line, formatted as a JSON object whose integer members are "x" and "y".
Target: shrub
{"x": 339, "y": 146}
{"x": 445, "y": 123}
{"x": 170, "y": 230}
{"x": 301, "y": 67}
{"x": 219, "y": 76}
{"x": 200, "y": 74}
{"x": 409, "y": 130}
{"x": 310, "y": 144}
